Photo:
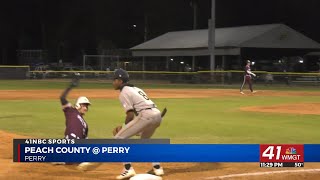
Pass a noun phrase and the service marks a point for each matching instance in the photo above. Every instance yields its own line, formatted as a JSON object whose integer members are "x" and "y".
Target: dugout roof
{"x": 228, "y": 41}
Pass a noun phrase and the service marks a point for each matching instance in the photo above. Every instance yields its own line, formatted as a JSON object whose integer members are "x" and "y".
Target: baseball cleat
{"x": 241, "y": 92}
{"x": 254, "y": 92}
{"x": 155, "y": 171}
{"x": 126, "y": 174}
{"x": 159, "y": 171}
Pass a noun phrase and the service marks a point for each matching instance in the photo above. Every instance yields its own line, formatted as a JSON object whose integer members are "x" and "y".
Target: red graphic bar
{"x": 18, "y": 152}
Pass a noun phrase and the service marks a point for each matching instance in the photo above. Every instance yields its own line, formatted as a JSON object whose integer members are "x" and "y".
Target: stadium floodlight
{"x": 181, "y": 62}
{"x": 171, "y": 59}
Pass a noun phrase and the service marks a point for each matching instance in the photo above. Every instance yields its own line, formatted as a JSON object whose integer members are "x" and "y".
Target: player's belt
{"x": 147, "y": 108}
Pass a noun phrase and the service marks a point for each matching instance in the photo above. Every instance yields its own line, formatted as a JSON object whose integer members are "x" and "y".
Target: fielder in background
{"x": 142, "y": 117}
{"x": 247, "y": 79}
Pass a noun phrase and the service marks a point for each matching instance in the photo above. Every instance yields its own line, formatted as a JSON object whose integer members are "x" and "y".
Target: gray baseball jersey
{"x": 133, "y": 98}
{"x": 148, "y": 119}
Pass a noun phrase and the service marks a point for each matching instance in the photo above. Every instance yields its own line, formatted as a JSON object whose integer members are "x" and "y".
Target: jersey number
{"x": 143, "y": 95}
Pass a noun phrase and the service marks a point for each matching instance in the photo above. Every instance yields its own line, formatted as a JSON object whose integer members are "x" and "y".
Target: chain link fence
{"x": 200, "y": 77}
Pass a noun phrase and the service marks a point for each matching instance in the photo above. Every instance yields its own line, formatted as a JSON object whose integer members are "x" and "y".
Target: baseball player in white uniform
{"x": 142, "y": 117}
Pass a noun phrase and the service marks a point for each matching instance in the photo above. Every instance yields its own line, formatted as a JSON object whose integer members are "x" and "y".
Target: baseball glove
{"x": 116, "y": 130}
{"x": 75, "y": 81}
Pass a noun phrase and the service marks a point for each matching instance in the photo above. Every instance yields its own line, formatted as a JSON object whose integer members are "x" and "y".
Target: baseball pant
{"x": 247, "y": 80}
{"x": 145, "y": 123}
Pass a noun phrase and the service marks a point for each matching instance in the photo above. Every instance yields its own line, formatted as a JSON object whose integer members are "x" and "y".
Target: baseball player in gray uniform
{"x": 142, "y": 117}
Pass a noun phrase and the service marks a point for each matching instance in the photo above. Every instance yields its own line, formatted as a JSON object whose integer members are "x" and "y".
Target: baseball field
{"x": 196, "y": 114}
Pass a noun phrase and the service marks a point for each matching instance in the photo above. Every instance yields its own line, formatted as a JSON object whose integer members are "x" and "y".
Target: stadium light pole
{"x": 145, "y": 32}
{"x": 194, "y": 5}
{"x": 211, "y": 39}
{"x": 145, "y": 38}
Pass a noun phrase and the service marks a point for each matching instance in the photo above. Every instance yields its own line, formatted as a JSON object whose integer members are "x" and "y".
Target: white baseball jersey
{"x": 133, "y": 98}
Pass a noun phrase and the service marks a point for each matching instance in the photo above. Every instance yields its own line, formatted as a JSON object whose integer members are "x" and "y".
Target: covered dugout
{"x": 260, "y": 43}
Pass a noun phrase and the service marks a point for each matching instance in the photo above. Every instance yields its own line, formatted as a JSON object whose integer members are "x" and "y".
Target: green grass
{"x": 210, "y": 120}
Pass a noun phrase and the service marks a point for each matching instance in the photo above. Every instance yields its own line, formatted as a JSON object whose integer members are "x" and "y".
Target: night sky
{"x": 81, "y": 26}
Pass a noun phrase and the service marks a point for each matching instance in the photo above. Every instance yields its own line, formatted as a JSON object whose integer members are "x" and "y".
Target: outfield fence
{"x": 14, "y": 72}
{"x": 200, "y": 77}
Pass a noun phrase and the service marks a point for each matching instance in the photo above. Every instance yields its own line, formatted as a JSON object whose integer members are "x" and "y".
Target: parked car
{"x": 43, "y": 71}
{"x": 72, "y": 71}
{"x": 94, "y": 74}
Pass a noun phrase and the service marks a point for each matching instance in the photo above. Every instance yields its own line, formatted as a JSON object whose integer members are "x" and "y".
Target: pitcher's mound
{"x": 297, "y": 108}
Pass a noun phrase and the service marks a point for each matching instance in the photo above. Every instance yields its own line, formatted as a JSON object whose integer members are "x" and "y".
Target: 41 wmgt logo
{"x": 281, "y": 153}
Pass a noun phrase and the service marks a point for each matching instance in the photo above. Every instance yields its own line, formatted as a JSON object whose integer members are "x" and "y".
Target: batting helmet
{"x": 82, "y": 100}
{"x": 121, "y": 74}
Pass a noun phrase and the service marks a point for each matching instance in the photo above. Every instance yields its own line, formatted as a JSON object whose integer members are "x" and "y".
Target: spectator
{"x": 269, "y": 79}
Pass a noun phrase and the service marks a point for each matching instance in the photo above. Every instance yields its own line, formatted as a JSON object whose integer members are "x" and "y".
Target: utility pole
{"x": 145, "y": 37}
{"x": 211, "y": 39}
{"x": 145, "y": 34}
{"x": 195, "y": 13}
{"x": 194, "y": 4}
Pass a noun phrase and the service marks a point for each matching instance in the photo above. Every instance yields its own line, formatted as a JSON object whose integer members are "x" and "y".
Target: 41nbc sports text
{"x": 49, "y": 141}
